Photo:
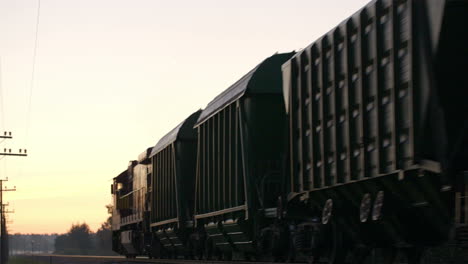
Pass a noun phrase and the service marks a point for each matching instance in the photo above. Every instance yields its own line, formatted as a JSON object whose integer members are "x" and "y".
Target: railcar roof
{"x": 181, "y": 130}
{"x": 266, "y": 73}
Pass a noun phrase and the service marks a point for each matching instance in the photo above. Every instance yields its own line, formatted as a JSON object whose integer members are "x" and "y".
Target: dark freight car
{"x": 239, "y": 156}
{"x": 173, "y": 186}
{"x": 360, "y": 98}
{"x": 381, "y": 100}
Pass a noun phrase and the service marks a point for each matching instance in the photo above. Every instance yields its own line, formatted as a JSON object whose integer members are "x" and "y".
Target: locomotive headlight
{"x": 365, "y": 208}
{"x": 327, "y": 211}
{"x": 377, "y": 208}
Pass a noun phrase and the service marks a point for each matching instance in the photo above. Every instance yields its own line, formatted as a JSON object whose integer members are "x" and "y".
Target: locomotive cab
{"x": 130, "y": 212}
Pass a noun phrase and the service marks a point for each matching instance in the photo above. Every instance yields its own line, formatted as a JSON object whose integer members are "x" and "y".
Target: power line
{"x": 2, "y": 113}
{"x": 33, "y": 75}
{"x": 28, "y": 121}
{"x": 1, "y": 95}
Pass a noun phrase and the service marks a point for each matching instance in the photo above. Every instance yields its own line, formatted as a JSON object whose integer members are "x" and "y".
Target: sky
{"x": 112, "y": 77}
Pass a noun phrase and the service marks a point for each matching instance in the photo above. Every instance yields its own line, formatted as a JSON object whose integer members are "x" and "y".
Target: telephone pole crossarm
{"x": 6, "y": 135}
{"x": 14, "y": 154}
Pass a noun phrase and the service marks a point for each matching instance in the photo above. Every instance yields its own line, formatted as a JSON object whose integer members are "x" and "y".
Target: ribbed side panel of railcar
{"x": 164, "y": 185}
{"x": 355, "y": 99}
{"x": 220, "y": 180}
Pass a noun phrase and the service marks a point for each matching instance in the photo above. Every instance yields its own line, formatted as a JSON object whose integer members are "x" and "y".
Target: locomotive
{"x": 350, "y": 150}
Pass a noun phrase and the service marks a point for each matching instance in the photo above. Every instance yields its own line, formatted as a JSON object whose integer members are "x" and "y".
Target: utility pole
{"x": 3, "y": 245}
{"x": 3, "y": 238}
{"x": 11, "y": 242}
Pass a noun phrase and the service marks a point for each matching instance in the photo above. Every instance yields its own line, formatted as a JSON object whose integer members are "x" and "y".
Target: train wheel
{"x": 291, "y": 256}
{"x": 375, "y": 255}
{"x": 266, "y": 245}
{"x": 208, "y": 249}
{"x": 218, "y": 254}
{"x": 227, "y": 256}
{"x": 413, "y": 255}
{"x": 191, "y": 249}
{"x": 393, "y": 256}
{"x": 196, "y": 245}
{"x": 332, "y": 250}
{"x": 358, "y": 255}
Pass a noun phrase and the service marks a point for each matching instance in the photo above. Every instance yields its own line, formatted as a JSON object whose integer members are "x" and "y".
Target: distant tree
{"x": 79, "y": 240}
{"x": 61, "y": 244}
{"x": 76, "y": 241}
{"x": 104, "y": 236}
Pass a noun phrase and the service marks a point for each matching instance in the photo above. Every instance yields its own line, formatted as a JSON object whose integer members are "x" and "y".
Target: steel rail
{"x": 75, "y": 259}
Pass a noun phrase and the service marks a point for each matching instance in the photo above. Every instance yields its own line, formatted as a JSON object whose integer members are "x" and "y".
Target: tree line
{"x": 79, "y": 240}
{"x": 20, "y": 244}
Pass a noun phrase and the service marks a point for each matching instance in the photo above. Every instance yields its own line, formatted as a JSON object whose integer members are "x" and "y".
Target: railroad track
{"x": 66, "y": 259}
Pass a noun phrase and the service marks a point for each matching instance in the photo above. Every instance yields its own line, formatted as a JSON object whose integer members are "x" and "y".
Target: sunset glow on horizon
{"x": 112, "y": 77}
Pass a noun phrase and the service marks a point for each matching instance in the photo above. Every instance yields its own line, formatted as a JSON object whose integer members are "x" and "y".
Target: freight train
{"x": 352, "y": 149}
